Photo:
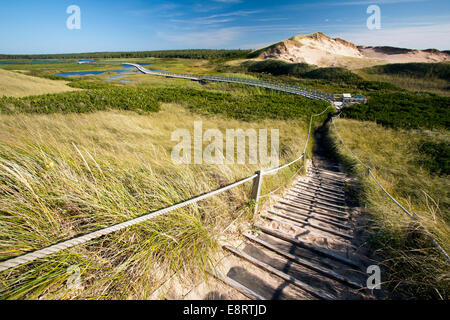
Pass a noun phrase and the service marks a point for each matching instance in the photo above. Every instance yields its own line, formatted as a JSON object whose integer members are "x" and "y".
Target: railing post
{"x": 256, "y": 189}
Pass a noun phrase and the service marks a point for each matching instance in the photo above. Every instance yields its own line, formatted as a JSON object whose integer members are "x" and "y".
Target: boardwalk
{"x": 305, "y": 92}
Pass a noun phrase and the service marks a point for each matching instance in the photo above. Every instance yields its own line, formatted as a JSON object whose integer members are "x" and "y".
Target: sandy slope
{"x": 395, "y": 55}
{"x": 18, "y": 85}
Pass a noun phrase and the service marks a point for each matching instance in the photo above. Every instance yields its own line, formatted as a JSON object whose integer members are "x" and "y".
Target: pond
{"x": 126, "y": 69}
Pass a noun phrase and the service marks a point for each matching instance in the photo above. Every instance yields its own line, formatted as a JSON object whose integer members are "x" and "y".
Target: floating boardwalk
{"x": 337, "y": 100}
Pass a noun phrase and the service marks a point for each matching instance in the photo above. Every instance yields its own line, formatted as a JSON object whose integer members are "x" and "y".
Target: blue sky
{"x": 133, "y": 25}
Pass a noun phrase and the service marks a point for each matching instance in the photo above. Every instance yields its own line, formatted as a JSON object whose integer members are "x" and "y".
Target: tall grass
{"x": 413, "y": 267}
{"x": 64, "y": 175}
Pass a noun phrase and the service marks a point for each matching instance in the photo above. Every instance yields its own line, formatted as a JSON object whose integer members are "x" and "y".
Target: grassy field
{"x": 75, "y": 162}
{"x": 429, "y": 77}
{"x": 14, "y": 84}
{"x": 403, "y": 110}
{"x": 437, "y": 86}
{"x": 64, "y": 175}
{"x": 405, "y": 162}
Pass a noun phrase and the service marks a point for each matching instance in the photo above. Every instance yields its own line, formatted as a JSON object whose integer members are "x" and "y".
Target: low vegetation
{"x": 277, "y": 67}
{"x": 303, "y": 70}
{"x": 403, "y": 110}
{"x": 430, "y": 77}
{"x": 333, "y": 79}
{"x": 244, "y": 107}
{"x": 416, "y": 70}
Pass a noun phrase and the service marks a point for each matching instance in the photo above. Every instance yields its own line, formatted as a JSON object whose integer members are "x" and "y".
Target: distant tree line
{"x": 187, "y": 54}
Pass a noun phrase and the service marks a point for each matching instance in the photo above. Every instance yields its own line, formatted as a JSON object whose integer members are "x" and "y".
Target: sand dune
{"x": 323, "y": 51}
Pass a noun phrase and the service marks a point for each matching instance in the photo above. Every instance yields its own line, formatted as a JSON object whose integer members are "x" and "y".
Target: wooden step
{"x": 316, "y": 183}
{"x": 312, "y": 225}
{"x": 295, "y": 226}
{"x": 336, "y": 173}
{"x": 237, "y": 286}
{"x": 311, "y": 204}
{"x": 315, "y": 199}
{"x": 327, "y": 172}
{"x": 318, "y": 195}
{"x": 326, "y": 177}
{"x": 326, "y": 182}
{"x": 318, "y": 192}
{"x": 322, "y": 188}
{"x": 279, "y": 273}
{"x": 305, "y": 208}
{"x": 322, "y": 270}
{"x": 322, "y": 251}
{"x": 315, "y": 217}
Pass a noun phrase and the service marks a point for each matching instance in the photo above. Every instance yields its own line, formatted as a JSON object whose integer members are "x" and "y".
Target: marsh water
{"x": 126, "y": 69}
{"x": 118, "y": 73}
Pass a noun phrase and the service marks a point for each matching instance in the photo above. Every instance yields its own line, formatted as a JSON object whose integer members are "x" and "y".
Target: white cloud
{"x": 241, "y": 13}
{"x": 213, "y": 19}
{"x": 220, "y": 38}
{"x": 271, "y": 19}
{"x": 202, "y": 21}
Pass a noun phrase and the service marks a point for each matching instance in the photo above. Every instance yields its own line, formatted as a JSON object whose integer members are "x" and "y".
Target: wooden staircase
{"x": 306, "y": 245}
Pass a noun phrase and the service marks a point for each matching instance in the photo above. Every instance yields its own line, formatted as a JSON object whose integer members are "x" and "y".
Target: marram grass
{"x": 413, "y": 267}
{"x": 64, "y": 175}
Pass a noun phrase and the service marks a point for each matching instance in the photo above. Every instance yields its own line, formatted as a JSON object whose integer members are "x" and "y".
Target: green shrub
{"x": 415, "y": 70}
{"x": 248, "y": 107}
{"x": 377, "y": 85}
{"x": 335, "y": 74}
{"x": 82, "y": 84}
{"x": 403, "y": 110}
{"x": 277, "y": 67}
